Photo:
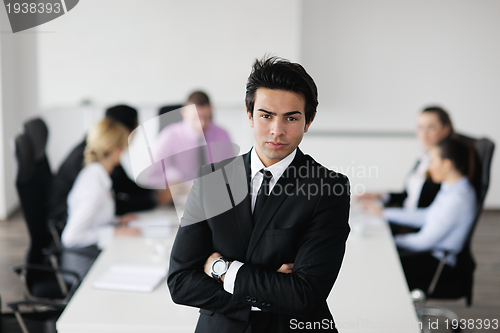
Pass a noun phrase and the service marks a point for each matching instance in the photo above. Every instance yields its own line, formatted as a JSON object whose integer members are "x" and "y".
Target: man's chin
{"x": 277, "y": 154}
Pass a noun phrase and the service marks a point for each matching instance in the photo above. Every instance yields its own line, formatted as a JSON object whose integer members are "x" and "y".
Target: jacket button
{"x": 268, "y": 303}
{"x": 263, "y": 303}
{"x": 248, "y": 298}
{"x": 254, "y": 300}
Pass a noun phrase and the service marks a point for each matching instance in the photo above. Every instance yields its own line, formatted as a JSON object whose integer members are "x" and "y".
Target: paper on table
{"x": 131, "y": 277}
{"x": 153, "y": 226}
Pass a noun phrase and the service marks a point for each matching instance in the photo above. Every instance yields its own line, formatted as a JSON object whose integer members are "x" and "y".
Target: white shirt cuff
{"x": 231, "y": 276}
{"x": 385, "y": 197}
{"x": 105, "y": 236}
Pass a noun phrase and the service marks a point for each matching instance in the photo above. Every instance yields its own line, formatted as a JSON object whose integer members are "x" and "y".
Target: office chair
{"x": 40, "y": 281}
{"x": 34, "y": 322}
{"x": 460, "y": 285}
{"x": 37, "y": 132}
{"x": 172, "y": 118}
{"x": 44, "y": 286}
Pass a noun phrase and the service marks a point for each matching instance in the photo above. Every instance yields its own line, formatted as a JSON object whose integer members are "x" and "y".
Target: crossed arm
{"x": 315, "y": 268}
{"x": 285, "y": 268}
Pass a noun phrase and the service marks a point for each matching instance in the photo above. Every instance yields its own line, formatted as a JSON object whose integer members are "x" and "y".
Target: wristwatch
{"x": 219, "y": 268}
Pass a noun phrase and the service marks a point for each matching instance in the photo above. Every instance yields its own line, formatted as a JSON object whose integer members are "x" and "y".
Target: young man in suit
{"x": 268, "y": 263}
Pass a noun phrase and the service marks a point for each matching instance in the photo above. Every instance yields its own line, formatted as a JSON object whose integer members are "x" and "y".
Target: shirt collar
{"x": 445, "y": 185}
{"x": 103, "y": 175}
{"x": 188, "y": 129}
{"x": 277, "y": 169}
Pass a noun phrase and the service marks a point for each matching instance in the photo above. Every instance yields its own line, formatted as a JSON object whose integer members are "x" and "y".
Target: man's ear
{"x": 250, "y": 118}
{"x": 306, "y": 128}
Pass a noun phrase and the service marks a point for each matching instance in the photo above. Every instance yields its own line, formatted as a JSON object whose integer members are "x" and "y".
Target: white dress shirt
{"x": 277, "y": 171}
{"x": 91, "y": 209}
{"x": 444, "y": 225}
{"x": 414, "y": 183}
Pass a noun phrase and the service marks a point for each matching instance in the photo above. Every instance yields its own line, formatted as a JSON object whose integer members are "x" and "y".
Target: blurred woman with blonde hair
{"x": 91, "y": 207}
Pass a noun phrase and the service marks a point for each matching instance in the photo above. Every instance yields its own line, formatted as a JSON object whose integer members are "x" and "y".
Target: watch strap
{"x": 215, "y": 276}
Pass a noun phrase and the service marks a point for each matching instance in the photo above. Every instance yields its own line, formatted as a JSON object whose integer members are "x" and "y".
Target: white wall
{"x": 18, "y": 101}
{"x": 151, "y": 52}
{"x": 377, "y": 63}
{"x": 148, "y": 53}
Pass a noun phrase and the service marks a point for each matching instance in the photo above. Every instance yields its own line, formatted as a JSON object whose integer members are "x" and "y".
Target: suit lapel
{"x": 286, "y": 184}
{"x": 243, "y": 210}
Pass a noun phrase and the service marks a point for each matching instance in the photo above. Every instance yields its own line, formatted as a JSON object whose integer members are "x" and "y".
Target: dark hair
{"x": 462, "y": 154}
{"x": 198, "y": 98}
{"x": 124, "y": 114}
{"x": 443, "y": 116}
{"x": 281, "y": 74}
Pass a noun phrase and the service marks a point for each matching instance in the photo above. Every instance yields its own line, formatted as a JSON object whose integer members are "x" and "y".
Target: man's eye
{"x": 292, "y": 118}
{"x": 266, "y": 116}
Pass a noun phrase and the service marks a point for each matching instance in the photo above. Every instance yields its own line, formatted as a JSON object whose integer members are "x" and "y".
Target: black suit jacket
{"x": 306, "y": 224}
{"x": 427, "y": 194}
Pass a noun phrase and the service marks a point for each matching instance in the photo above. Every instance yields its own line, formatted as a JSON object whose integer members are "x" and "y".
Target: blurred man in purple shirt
{"x": 195, "y": 141}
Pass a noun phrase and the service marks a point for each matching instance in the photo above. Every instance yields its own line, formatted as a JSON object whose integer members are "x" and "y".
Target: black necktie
{"x": 201, "y": 152}
{"x": 416, "y": 165}
{"x": 262, "y": 195}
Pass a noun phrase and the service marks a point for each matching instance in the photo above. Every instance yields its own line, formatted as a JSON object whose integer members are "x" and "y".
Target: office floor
{"x": 486, "y": 248}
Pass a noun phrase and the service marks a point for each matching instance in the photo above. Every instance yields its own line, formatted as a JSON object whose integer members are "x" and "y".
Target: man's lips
{"x": 276, "y": 145}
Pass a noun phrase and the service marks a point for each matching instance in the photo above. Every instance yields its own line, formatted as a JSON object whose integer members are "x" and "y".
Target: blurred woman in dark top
{"x": 433, "y": 125}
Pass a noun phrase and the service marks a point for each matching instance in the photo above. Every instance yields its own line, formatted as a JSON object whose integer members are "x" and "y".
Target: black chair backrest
{"x": 465, "y": 261}
{"x": 25, "y": 157}
{"x": 38, "y": 133}
{"x": 173, "y": 118}
{"x": 32, "y": 182}
{"x": 484, "y": 150}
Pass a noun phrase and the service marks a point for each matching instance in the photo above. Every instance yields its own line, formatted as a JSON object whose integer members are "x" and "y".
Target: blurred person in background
{"x": 433, "y": 125}
{"x": 91, "y": 207}
{"x": 184, "y": 145}
{"x": 128, "y": 196}
{"x": 446, "y": 223}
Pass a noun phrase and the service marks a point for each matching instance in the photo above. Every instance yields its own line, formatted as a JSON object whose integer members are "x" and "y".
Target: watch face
{"x": 219, "y": 267}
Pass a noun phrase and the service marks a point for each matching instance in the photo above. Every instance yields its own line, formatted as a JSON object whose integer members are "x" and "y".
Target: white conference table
{"x": 370, "y": 294}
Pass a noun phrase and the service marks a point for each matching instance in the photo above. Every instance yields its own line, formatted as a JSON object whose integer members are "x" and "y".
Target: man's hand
{"x": 208, "y": 264}
{"x": 369, "y": 196}
{"x": 373, "y": 207}
{"x": 127, "y": 231}
{"x": 164, "y": 197}
{"x": 124, "y": 219}
{"x": 285, "y": 268}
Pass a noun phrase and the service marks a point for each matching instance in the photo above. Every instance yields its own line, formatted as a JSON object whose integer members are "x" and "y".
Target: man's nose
{"x": 277, "y": 128}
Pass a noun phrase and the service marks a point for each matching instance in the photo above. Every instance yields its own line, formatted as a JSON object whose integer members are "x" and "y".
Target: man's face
{"x": 279, "y": 123}
{"x": 204, "y": 114}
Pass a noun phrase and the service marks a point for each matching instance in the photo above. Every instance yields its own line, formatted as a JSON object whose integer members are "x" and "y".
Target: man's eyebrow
{"x": 286, "y": 114}
{"x": 268, "y": 112}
